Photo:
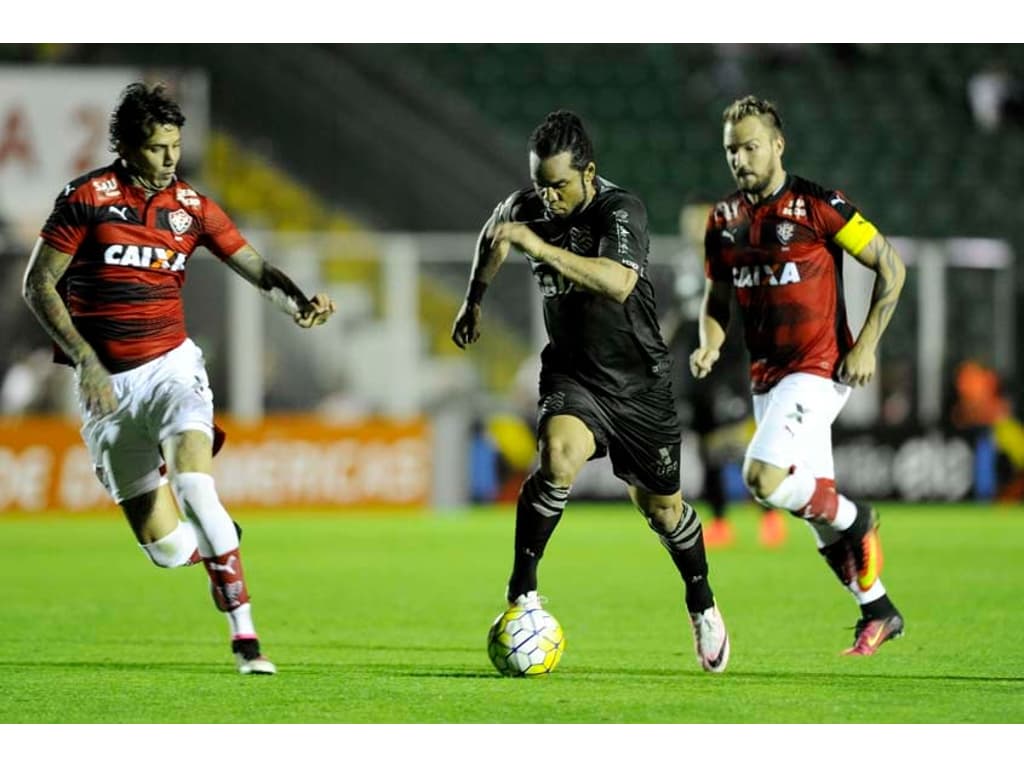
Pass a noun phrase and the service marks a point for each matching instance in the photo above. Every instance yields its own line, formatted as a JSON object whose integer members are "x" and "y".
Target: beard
{"x": 753, "y": 184}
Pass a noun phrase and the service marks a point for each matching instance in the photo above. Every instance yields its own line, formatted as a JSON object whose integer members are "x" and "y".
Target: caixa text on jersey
{"x": 145, "y": 256}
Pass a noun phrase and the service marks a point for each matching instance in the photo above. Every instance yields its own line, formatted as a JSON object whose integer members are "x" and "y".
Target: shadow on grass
{"x": 398, "y": 669}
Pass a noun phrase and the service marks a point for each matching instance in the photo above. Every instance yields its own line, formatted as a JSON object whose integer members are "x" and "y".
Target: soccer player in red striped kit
{"x": 778, "y": 242}
{"x": 104, "y": 280}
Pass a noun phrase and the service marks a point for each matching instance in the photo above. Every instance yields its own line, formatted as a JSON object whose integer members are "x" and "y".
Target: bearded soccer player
{"x": 104, "y": 280}
{"x": 606, "y": 375}
{"x": 778, "y": 242}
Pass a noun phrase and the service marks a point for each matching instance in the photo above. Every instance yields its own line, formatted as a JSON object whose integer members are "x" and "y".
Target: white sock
{"x": 846, "y": 513}
{"x": 198, "y": 498}
{"x": 240, "y": 621}
{"x": 175, "y": 549}
{"x": 794, "y": 492}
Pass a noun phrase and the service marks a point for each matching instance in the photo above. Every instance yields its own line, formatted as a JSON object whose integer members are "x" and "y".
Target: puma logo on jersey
{"x": 122, "y": 211}
{"x": 765, "y": 274}
{"x": 145, "y": 256}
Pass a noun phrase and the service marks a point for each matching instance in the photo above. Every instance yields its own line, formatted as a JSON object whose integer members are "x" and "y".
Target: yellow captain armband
{"x": 855, "y": 234}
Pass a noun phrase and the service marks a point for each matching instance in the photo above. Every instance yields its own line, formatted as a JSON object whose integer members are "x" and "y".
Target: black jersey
{"x": 615, "y": 348}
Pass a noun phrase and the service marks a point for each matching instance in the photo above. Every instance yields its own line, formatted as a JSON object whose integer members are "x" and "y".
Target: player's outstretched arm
{"x": 276, "y": 286}
{"x": 858, "y": 367}
{"x": 45, "y": 268}
{"x": 487, "y": 260}
{"x": 712, "y": 325}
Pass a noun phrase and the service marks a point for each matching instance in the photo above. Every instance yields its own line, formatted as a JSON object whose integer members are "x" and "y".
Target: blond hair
{"x": 753, "y": 106}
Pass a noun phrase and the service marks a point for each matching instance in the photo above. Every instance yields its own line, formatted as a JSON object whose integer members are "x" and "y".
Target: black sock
{"x": 685, "y": 545}
{"x": 839, "y": 557}
{"x": 714, "y": 491}
{"x": 878, "y": 609}
{"x": 538, "y": 511}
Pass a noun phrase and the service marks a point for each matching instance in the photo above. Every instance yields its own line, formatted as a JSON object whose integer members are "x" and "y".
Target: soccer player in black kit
{"x": 606, "y": 374}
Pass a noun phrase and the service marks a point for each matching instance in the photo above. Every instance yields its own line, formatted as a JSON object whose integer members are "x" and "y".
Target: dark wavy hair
{"x": 139, "y": 107}
{"x": 563, "y": 131}
{"x": 752, "y": 105}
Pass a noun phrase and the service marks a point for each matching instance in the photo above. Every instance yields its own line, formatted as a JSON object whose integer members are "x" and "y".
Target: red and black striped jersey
{"x": 123, "y": 286}
{"x": 784, "y": 259}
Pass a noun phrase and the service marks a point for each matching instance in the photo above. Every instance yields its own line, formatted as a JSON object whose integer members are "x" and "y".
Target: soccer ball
{"x": 525, "y": 642}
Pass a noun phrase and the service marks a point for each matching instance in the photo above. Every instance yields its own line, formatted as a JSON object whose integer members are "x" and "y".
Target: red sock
{"x": 227, "y": 581}
{"x": 824, "y": 501}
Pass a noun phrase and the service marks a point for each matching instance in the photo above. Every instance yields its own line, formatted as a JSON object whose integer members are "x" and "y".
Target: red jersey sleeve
{"x": 68, "y": 223}
{"x": 714, "y": 268}
{"x": 220, "y": 234}
{"x": 832, "y": 211}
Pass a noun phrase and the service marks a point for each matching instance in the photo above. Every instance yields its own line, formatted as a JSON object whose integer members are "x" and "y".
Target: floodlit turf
{"x": 384, "y": 619}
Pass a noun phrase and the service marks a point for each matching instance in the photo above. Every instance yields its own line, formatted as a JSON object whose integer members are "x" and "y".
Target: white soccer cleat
{"x": 528, "y": 601}
{"x": 710, "y": 639}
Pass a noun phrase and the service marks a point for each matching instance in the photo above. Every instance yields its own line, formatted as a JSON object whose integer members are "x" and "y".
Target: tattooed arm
{"x": 46, "y": 266}
{"x": 858, "y": 367}
{"x": 279, "y": 289}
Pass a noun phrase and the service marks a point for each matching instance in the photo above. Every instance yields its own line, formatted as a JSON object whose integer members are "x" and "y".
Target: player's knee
{"x": 760, "y": 480}
{"x": 560, "y": 461}
{"x": 663, "y": 517}
{"x": 174, "y": 550}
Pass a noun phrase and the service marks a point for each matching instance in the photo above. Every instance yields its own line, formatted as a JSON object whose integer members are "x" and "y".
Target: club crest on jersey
{"x": 784, "y": 230}
{"x": 179, "y": 221}
{"x": 145, "y": 257}
{"x": 765, "y": 274}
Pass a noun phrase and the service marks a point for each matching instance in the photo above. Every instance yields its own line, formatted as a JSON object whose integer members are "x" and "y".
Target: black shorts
{"x": 640, "y": 433}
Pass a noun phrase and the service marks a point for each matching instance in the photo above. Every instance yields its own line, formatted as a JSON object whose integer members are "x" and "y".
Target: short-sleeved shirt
{"x": 123, "y": 286}
{"x": 613, "y": 347}
{"x": 784, "y": 259}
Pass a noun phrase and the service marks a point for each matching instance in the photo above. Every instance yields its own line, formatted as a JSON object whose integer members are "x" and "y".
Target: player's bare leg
{"x": 565, "y": 445}
{"x": 679, "y": 529}
{"x": 189, "y": 457}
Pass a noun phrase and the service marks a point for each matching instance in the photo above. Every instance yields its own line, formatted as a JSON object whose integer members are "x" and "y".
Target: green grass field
{"x": 383, "y": 620}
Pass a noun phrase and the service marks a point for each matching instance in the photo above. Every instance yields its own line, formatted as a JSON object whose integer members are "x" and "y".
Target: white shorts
{"x": 161, "y": 398}
{"x": 794, "y": 423}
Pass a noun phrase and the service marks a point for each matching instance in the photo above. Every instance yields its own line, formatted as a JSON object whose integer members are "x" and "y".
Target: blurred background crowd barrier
{"x": 366, "y": 171}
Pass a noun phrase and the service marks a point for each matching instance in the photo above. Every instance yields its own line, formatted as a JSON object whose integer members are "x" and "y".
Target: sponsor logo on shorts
{"x": 666, "y": 465}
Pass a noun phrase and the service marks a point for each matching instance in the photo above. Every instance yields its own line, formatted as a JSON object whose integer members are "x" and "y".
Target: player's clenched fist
{"x": 315, "y": 312}
{"x": 466, "y": 329}
{"x": 702, "y": 360}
